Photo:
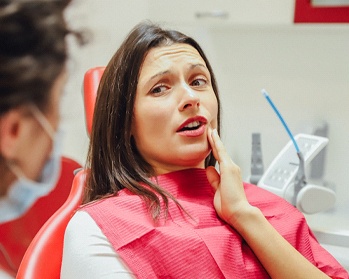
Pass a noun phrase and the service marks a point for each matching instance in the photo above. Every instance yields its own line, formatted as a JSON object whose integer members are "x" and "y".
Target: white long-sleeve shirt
{"x": 87, "y": 253}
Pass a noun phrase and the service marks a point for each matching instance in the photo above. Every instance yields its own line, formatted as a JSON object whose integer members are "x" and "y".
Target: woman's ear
{"x": 11, "y": 136}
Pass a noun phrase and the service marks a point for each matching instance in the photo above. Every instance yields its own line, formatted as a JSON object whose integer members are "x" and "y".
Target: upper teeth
{"x": 192, "y": 124}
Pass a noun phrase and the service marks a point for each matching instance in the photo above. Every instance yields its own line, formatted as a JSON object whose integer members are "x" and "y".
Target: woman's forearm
{"x": 277, "y": 255}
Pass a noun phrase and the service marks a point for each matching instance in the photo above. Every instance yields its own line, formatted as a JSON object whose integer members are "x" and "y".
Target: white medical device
{"x": 280, "y": 176}
{"x": 285, "y": 176}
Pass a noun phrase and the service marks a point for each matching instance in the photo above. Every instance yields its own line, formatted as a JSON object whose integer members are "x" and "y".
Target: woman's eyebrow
{"x": 192, "y": 66}
{"x": 157, "y": 75}
{"x": 198, "y": 65}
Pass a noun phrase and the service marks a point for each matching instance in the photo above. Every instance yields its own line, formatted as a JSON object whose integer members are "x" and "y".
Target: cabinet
{"x": 222, "y": 12}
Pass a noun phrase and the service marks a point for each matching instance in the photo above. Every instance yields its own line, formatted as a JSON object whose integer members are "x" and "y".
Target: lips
{"x": 191, "y": 124}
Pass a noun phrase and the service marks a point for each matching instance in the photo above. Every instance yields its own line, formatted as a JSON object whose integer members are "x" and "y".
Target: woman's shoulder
{"x": 87, "y": 252}
{"x": 80, "y": 228}
{"x": 79, "y": 220}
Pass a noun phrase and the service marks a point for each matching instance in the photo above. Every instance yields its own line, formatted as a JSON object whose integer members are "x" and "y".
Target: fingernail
{"x": 214, "y": 131}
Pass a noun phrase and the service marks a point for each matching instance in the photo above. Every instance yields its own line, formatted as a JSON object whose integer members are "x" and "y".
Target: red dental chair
{"x": 43, "y": 258}
{"x": 91, "y": 82}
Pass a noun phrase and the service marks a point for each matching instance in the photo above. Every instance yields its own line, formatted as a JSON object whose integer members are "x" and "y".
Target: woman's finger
{"x": 211, "y": 142}
{"x": 219, "y": 149}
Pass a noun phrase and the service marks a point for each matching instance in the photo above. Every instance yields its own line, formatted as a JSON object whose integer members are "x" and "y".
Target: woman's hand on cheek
{"x": 230, "y": 200}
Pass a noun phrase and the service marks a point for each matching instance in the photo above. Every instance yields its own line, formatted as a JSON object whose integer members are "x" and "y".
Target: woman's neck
{"x": 164, "y": 169}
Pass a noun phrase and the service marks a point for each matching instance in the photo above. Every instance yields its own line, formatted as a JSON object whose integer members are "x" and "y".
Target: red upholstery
{"x": 16, "y": 235}
{"x": 91, "y": 82}
{"x": 44, "y": 256}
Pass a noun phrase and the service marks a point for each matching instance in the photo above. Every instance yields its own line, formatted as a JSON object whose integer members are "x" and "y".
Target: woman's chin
{"x": 195, "y": 159}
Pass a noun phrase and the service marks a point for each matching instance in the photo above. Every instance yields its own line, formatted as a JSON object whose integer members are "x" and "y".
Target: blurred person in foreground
{"x": 33, "y": 56}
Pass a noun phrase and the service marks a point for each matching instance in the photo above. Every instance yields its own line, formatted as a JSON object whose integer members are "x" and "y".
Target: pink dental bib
{"x": 199, "y": 245}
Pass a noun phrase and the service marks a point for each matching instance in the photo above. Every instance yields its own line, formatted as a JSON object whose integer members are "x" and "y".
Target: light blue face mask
{"x": 23, "y": 193}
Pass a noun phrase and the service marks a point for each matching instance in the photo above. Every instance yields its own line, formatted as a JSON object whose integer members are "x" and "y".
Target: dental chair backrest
{"x": 91, "y": 82}
{"x": 43, "y": 257}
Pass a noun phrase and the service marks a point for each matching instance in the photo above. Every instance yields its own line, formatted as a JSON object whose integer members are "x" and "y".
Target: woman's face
{"x": 174, "y": 106}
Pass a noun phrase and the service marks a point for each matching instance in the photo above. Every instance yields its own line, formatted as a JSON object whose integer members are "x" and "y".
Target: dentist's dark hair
{"x": 33, "y": 50}
{"x": 113, "y": 160}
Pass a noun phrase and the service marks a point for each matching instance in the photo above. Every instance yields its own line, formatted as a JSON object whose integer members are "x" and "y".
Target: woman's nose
{"x": 190, "y": 98}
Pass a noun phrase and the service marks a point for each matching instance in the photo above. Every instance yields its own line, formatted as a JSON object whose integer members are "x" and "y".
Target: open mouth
{"x": 191, "y": 126}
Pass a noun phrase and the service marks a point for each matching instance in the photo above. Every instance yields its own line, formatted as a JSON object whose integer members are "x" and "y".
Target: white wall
{"x": 107, "y": 22}
{"x": 306, "y": 71}
{"x": 304, "y": 68}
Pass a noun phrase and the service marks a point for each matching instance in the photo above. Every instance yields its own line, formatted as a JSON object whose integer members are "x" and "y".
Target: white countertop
{"x": 332, "y": 222}
{"x": 331, "y": 228}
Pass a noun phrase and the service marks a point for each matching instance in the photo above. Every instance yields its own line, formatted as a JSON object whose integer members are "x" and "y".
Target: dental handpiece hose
{"x": 300, "y": 180}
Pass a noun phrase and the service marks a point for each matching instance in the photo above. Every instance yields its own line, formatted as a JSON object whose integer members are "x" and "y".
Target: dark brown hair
{"x": 113, "y": 159}
{"x": 32, "y": 50}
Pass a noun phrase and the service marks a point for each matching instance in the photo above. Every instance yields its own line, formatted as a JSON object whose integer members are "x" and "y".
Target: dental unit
{"x": 286, "y": 177}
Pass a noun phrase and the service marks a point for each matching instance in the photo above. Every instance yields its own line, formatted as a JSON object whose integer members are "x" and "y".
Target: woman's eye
{"x": 198, "y": 82}
{"x": 158, "y": 89}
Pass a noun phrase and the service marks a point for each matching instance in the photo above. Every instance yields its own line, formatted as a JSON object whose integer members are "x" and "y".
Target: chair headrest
{"x": 91, "y": 82}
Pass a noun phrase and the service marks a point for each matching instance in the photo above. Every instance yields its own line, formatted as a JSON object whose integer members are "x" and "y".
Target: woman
{"x": 153, "y": 194}
{"x": 33, "y": 54}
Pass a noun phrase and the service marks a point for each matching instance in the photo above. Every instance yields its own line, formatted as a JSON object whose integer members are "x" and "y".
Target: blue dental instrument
{"x": 266, "y": 95}
{"x": 300, "y": 180}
